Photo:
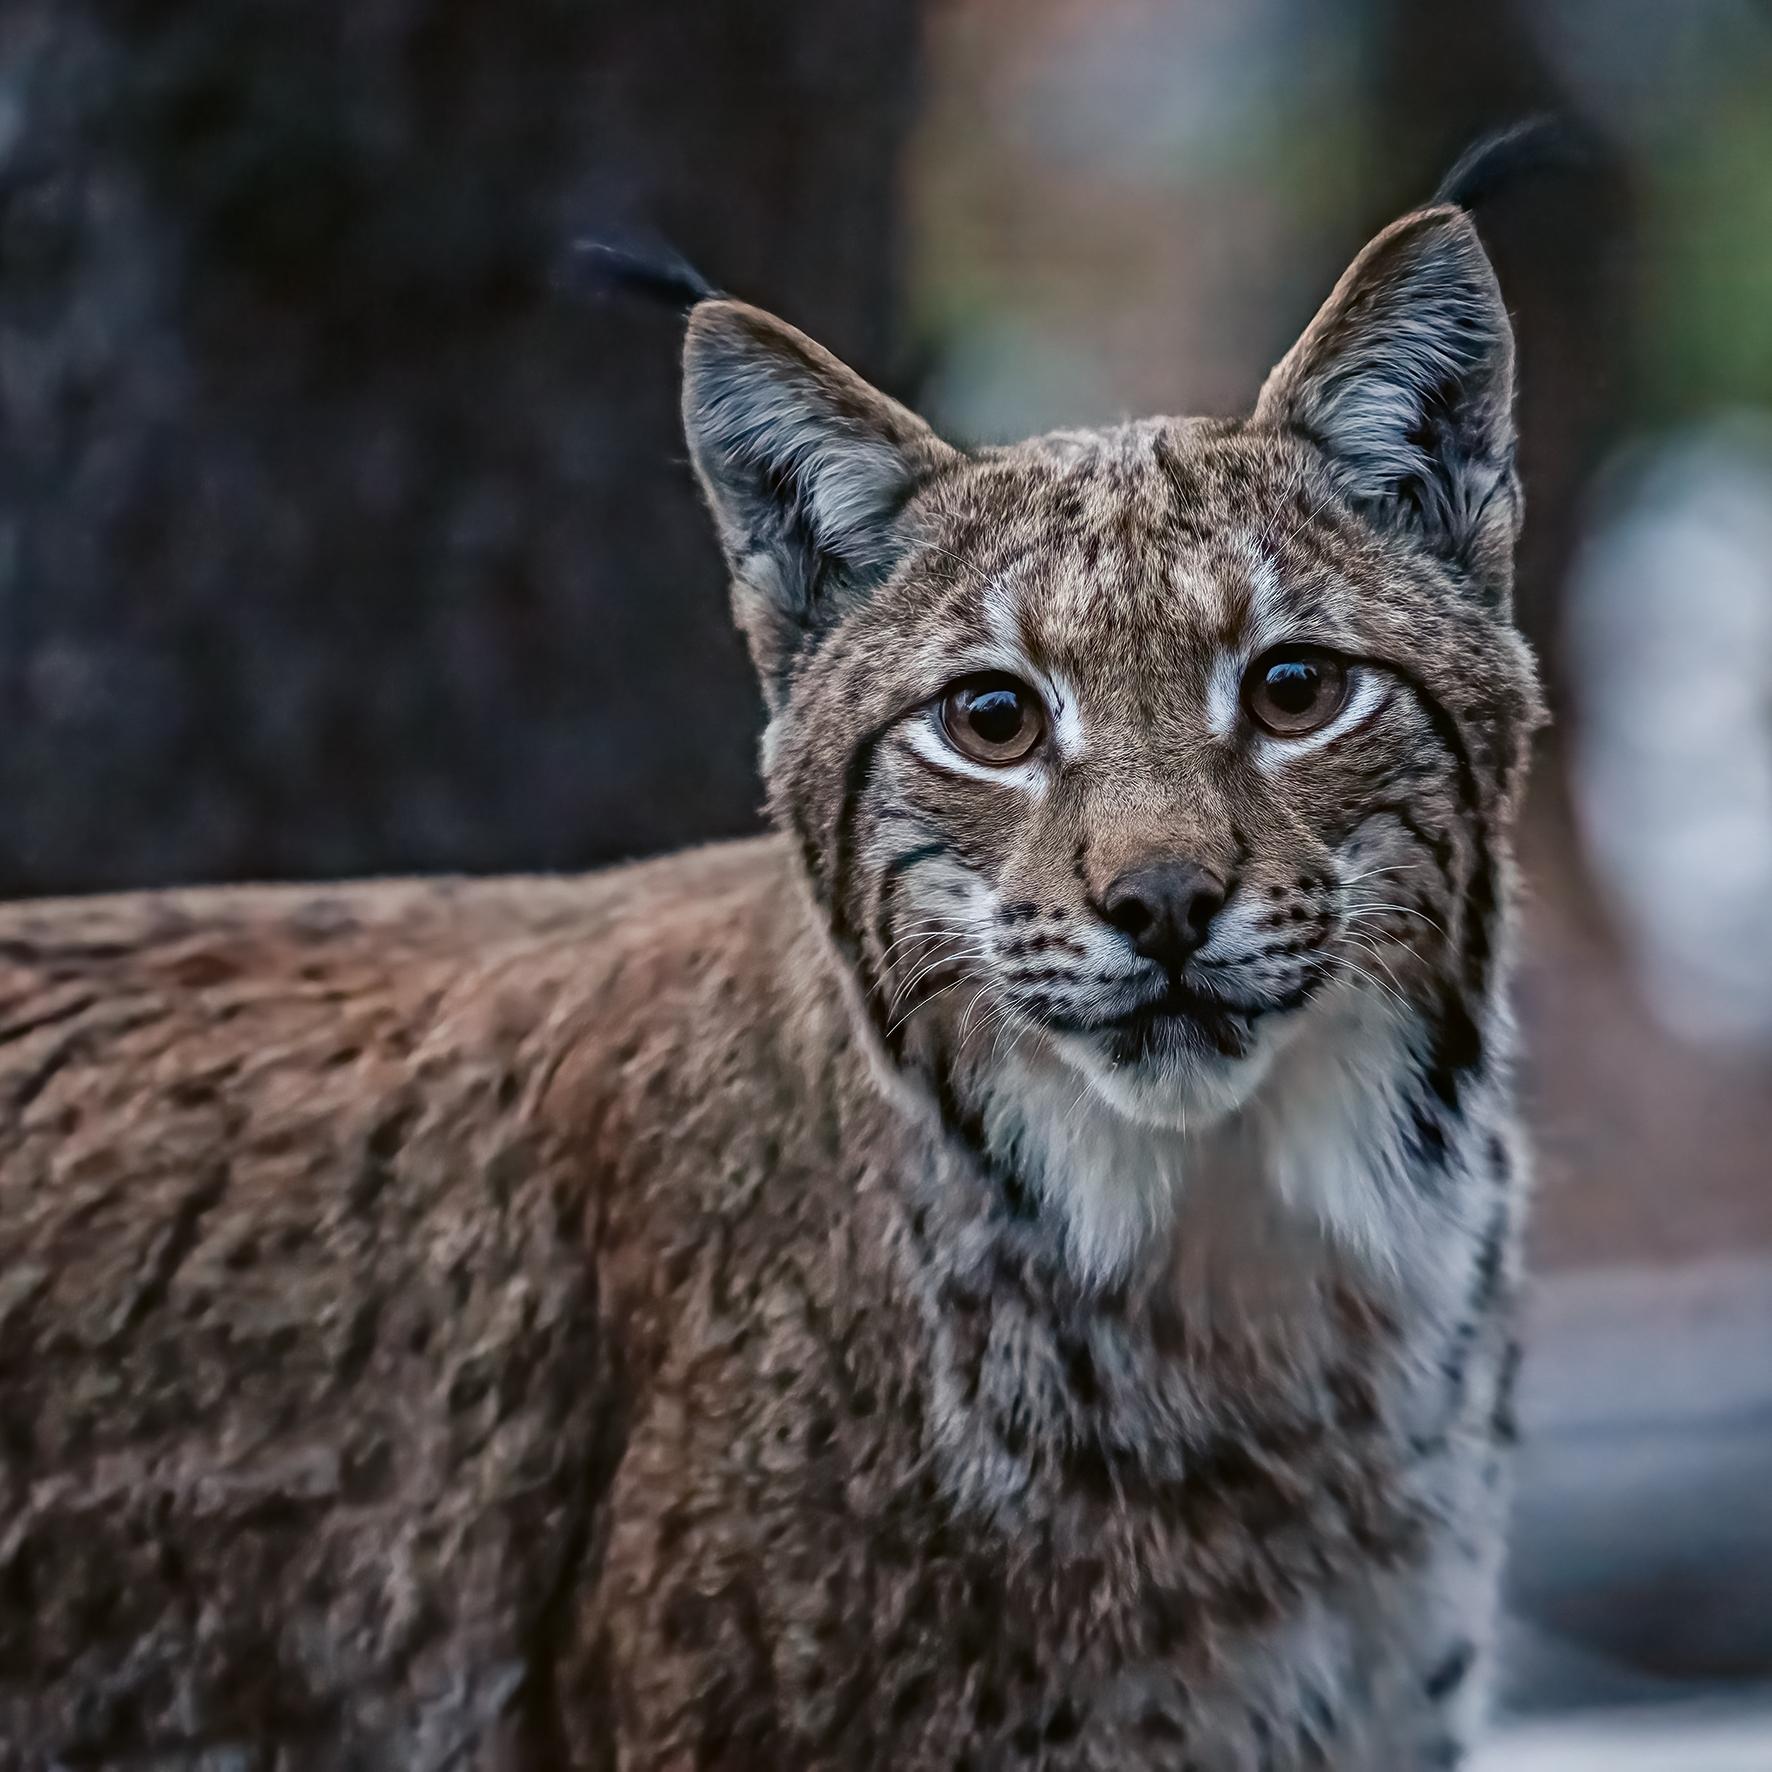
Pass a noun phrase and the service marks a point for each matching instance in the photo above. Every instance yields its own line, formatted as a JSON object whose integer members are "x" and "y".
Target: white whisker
{"x": 1395, "y": 989}
{"x": 1379, "y": 906}
{"x": 1401, "y": 867}
{"x": 923, "y": 1003}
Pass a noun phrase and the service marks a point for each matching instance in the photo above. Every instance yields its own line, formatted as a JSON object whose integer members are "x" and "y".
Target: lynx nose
{"x": 1166, "y": 907}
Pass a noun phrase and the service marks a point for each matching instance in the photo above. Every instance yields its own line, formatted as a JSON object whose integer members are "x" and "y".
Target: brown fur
{"x": 647, "y": 1322}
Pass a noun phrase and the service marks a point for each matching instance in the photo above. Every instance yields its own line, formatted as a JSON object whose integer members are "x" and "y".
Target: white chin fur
{"x": 1112, "y": 1146}
{"x": 1181, "y": 1093}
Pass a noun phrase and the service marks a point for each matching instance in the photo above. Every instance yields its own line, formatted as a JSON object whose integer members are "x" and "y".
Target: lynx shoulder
{"x": 1015, "y": 1267}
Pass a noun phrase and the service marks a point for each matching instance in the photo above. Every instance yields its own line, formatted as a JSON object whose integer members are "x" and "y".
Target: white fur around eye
{"x": 1364, "y": 700}
{"x": 1224, "y": 695}
{"x": 923, "y": 734}
{"x": 1268, "y": 619}
{"x": 1064, "y": 721}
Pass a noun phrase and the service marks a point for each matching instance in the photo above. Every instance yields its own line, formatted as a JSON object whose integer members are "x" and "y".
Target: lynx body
{"x": 1014, "y": 1269}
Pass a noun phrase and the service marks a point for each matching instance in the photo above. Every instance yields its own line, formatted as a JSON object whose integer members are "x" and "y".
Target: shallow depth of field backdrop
{"x": 342, "y": 531}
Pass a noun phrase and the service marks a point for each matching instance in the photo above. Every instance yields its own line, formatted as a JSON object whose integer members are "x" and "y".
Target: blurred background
{"x": 342, "y": 531}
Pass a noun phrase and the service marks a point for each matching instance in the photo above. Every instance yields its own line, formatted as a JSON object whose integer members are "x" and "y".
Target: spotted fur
{"x": 832, "y": 1302}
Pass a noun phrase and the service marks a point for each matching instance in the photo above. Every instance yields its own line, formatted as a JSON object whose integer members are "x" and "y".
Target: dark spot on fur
{"x": 923, "y": 1607}
{"x": 469, "y": 1387}
{"x": 202, "y": 971}
{"x": 358, "y": 1346}
{"x": 367, "y": 1472}
{"x": 1064, "y": 1724}
{"x": 910, "y": 1697}
{"x": 958, "y": 1298}
{"x": 1086, "y": 1467}
{"x": 684, "y": 1622}
{"x": 892, "y": 1548}
{"x": 1504, "y": 1423}
{"x": 1250, "y": 1604}
{"x": 1457, "y": 1051}
{"x": 1486, "y": 1280}
{"x": 1168, "y": 1334}
{"x": 1173, "y": 1621}
{"x": 1079, "y": 1371}
{"x": 1426, "y": 1136}
{"x": 243, "y": 1254}
{"x": 1319, "y": 1716}
{"x": 1451, "y": 1673}
{"x": 1355, "y": 1399}
{"x": 387, "y": 1137}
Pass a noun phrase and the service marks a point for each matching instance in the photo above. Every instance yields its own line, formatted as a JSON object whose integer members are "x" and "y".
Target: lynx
{"x": 1013, "y": 1269}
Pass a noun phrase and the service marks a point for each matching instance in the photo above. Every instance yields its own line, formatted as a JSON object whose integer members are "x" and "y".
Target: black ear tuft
{"x": 1495, "y": 161}
{"x": 656, "y": 272}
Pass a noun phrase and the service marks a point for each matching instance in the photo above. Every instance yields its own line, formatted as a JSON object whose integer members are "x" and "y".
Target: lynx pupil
{"x": 996, "y": 716}
{"x": 1294, "y": 686}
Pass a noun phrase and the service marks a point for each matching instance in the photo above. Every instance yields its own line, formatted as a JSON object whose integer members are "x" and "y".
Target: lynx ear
{"x": 1406, "y": 380}
{"x": 806, "y": 468}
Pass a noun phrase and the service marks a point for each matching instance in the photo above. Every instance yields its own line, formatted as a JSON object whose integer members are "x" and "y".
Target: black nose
{"x": 1166, "y": 907}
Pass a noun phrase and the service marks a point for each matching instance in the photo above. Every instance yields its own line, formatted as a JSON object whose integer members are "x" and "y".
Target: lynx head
{"x": 1146, "y": 754}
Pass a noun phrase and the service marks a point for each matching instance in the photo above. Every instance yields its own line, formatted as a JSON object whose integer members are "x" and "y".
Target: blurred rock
{"x": 1641, "y": 1554}
{"x": 1706, "y": 1736}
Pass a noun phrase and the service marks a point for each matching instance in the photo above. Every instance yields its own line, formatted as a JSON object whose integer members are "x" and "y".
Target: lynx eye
{"x": 1293, "y": 690}
{"x": 992, "y": 718}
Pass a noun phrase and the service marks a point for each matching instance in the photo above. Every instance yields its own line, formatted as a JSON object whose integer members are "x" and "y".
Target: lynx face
{"x": 1147, "y": 751}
